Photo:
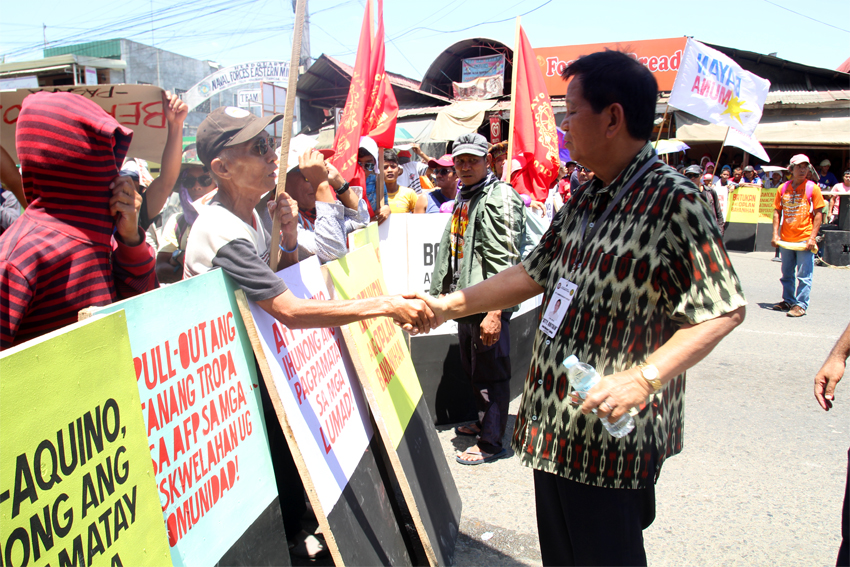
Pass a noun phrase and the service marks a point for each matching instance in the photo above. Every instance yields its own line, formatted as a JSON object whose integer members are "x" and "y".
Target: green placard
{"x": 76, "y": 479}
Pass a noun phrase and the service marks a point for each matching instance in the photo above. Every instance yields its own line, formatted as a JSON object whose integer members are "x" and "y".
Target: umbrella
{"x": 670, "y": 146}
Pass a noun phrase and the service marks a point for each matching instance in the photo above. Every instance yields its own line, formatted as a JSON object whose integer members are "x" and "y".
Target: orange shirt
{"x": 797, "y": 212}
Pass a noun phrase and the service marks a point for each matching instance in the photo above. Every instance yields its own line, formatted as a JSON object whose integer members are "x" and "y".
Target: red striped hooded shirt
{"x": 61, "y": 256}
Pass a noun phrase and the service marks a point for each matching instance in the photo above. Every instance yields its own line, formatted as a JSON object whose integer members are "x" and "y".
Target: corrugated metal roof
{"x": 106, "y": 49}
{"x": 59, "y": 61}
{"x": 804, "y": 96}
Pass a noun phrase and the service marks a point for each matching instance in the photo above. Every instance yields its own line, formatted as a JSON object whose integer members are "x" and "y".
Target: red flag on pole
{"x": 533, "y": 128}
{"x": 371, "y": 108}
{"x": 381, "y": 114}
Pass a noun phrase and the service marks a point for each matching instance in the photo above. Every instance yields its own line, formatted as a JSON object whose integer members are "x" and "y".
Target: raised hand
{"x": 286, "y": 209}
{"x": 313, "y": 168}
{"x": 175, "y": 110}
{"x": 334, "y": 177}
{"x": 124, "y": 206}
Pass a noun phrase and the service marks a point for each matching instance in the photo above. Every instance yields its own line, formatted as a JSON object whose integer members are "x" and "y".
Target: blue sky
{"x": 236, "y": 31}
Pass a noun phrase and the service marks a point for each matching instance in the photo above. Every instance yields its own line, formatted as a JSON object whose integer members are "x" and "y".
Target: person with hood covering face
{"x": 78, "y": 243}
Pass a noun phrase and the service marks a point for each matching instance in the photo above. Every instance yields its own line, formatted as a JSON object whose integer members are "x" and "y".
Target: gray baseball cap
{"x": 474, "y": 144}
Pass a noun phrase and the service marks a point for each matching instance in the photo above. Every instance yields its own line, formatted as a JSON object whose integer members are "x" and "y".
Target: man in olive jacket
{"x": 482, "y": 238}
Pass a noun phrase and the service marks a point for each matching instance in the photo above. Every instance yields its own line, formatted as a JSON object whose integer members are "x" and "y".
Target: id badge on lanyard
{"x": 555, "y": 311}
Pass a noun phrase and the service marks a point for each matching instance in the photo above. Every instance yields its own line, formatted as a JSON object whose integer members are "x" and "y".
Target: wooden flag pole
{"x": 294, "y": 64}
{"x": 510, "y": 160}
{"x": 720, "y": 153}
{"x": 661, "y": 127}
{"x": 379, "y": 188}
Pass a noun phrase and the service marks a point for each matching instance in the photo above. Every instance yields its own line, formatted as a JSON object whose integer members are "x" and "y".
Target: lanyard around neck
{"x": 594, "y": 226}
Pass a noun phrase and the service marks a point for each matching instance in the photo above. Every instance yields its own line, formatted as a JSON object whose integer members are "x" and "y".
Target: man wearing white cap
{"x": 798, "y": 204}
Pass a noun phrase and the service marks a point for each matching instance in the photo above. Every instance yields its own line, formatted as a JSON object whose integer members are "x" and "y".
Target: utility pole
{"x": 304, "y": 59}
{"x": 44, "y": 31}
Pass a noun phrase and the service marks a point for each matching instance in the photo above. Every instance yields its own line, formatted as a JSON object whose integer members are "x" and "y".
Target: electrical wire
{"x": 805, "y": 16}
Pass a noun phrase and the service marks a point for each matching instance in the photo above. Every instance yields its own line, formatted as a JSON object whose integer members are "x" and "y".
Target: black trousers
{"x": 579, "y": 524}
{"x": 489, "y": 369}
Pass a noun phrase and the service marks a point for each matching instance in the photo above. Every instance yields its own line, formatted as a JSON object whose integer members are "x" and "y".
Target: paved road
{"x": 761, "y": 476}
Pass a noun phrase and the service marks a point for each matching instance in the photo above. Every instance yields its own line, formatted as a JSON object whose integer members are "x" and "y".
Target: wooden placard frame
{"x": 266, "y": 372}
{"x": 381, "y": 427}
{"x": 337, "y": 554}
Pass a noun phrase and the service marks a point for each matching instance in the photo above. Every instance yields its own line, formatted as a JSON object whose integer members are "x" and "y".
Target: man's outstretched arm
{"x": 506, "y": 289}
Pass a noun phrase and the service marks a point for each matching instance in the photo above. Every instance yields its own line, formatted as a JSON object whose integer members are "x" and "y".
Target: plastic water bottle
{"x": 582, "y": 378}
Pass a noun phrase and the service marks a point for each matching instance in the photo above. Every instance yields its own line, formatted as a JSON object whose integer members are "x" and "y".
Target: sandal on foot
{"x": 782, "y": 306}
{"x": 485, "y": 456}
{"x": 471, "y": 430}
{"x": 308, "y": 546}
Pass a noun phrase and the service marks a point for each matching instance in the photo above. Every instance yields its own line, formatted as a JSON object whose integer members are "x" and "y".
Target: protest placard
{"x": 393, "y": 248}
{"x": 364, "y": 236}
{"x": 423, "y": 241}
{"x": 198, "y": 386}
{"x": 76, "y": 478}
{"x": 383, "y": 364}
{"x": 744, "y": 204}
{"x": 326, "y": 422}
{"x": 766, "y": 198}
{"x": 138, "y": 107}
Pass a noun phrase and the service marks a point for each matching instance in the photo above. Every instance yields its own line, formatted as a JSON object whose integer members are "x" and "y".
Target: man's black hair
{"x": 609, "y": 77}
{"x": 390, "y": 156}
{"x": 363, "y": 152}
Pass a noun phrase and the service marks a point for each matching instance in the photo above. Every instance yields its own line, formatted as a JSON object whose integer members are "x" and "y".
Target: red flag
{"x": 535, "y": 137}
{"x": 381, "y": 113}
{"x": 371, "y": 108}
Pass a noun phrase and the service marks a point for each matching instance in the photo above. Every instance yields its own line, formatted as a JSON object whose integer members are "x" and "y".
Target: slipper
{"x": 308, "y": 546}
{"x": 468, "y": 430}
{"x": 485, "y": 457}
{"x": 782, "y": 306}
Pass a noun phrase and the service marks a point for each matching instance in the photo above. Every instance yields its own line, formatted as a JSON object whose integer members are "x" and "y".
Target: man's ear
{"x": 616, "y": 119}
{"x": 219, "y": 167}
{"x": 490, "y": 160}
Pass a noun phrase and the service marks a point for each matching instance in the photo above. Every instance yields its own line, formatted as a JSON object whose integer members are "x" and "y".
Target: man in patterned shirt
{"x": 651, "y": 291}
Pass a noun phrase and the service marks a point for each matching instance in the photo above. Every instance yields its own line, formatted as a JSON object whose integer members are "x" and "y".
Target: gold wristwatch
{"x": 650, "y": 374}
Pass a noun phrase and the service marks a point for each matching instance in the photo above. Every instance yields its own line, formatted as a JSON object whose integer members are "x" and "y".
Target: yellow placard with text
{"x": 76, "y": 479}
{"x": 766, "y": 205}
{"x": 744, "y": 204}
{"x": 364, "y": 236}
{"x": 379, "y": 345}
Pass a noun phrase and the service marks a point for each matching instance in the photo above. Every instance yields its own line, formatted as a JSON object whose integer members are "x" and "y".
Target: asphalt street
{"x": 761, "y": 477}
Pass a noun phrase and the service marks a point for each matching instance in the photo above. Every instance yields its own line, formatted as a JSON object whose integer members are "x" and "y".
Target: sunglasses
{"x": 189, "y": 181}
{"x": 692, "y": 175}
{"x": 370, "y": 166}
{"x": 263, "y": 146}
{"x": 581, "y": 168}
{"x": 444, "y": 171}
